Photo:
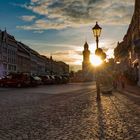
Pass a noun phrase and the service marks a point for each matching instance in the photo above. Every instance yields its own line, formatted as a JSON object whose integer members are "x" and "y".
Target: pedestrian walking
{"x": 122, "y": 80}
{"x": 115, "y": 79}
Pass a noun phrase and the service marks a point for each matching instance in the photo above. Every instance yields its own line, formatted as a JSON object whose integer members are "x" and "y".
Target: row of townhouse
{"x": 18, "y": 57}
{"x": 127, "y": 52}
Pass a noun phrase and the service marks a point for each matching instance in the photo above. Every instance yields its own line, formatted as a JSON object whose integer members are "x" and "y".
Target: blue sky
{"x": 60, "y": 27}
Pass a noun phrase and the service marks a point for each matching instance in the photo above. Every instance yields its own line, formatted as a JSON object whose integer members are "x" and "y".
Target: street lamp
{"x": 97, "y": 32}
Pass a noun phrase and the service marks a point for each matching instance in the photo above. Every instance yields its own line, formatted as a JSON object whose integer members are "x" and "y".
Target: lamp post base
{"x": 98, "y": 98}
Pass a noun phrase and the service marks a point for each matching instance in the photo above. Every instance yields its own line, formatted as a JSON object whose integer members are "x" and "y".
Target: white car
{"x": 106, "y": 89}
{"x": 106, "y": 85}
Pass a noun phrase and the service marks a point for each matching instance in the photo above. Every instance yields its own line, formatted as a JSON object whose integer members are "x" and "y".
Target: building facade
{"x": 23, "y": 59}
{"x": 128, "y": 51}
{"x": 58, "y": 67}
{"x": 8, "y": 47}
{"x": 18, "y": 57}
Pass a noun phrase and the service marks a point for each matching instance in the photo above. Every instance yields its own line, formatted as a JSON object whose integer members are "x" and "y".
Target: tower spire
{"x": 86, "y": 46}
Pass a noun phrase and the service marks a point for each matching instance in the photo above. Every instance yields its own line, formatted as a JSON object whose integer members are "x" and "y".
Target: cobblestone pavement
{"x": 69, "y": 116}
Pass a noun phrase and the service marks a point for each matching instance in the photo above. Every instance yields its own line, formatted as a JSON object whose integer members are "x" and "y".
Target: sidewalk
{"x": 132, "y": 89}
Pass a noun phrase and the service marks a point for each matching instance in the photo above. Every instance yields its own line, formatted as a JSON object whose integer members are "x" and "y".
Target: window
{"x": 9, "y": 67}
{"x": 14, "y": 68}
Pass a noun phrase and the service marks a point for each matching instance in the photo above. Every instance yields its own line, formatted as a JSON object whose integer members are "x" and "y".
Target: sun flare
{"x": 95, "y": 60}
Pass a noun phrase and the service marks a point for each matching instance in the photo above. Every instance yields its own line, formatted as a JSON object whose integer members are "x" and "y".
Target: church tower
{"x": 86, "y": 58}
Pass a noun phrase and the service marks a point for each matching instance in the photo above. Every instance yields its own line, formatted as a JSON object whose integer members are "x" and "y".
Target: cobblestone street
{"x": 74, "y": 115}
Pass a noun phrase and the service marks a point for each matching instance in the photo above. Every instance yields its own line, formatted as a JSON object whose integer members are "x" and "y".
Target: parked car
{"x": 46, "y": 80}
{"x": 107, "y": 89}
{"x": 20, "y": 80}
{"x": 106, "y": 83}
{"x": 35, "y": 80}
{"x": 52, "y": 77}
{"x": 3, "y": 81}
{"x": 58, "y": 79}
{"x": 65, "y": 79}
{"x": 15, "y": 80}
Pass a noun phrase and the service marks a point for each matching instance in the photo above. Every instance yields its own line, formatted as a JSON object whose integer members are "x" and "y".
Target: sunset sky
{"x": 61, "y": 27}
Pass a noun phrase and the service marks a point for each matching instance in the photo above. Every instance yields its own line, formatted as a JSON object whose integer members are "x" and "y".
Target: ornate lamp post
{"x": 97, "y": 32}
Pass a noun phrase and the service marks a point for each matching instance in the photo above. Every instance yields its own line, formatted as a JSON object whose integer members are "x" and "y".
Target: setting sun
{"x": 95, "y": 60}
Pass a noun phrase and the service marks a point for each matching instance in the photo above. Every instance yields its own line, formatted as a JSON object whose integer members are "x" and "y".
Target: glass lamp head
{"x": 97, "y": 30}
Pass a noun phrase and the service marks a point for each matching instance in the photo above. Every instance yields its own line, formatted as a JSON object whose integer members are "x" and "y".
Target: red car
{"x": 3, "y": 81}
{"x": 15, "y": 80}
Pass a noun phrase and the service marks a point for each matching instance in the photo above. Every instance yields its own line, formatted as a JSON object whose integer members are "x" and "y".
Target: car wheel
{"x": 19, "y": 85}
{"x": 1, "y": 85}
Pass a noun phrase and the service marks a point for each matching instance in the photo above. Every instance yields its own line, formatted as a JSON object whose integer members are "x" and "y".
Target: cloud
{"x": 78, "y": 13}
{"x": 43, "y": 24}
{"x": 69, "y": 54}
{"x": 39, "y": 31}
{"x": 27, "y": 18}
{"x": 34, "y": 0}
{"x": 71, "y": 57}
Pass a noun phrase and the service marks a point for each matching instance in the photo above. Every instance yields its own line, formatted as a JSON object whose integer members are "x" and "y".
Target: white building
{"x": 23, "y": 59}
{"x": 8, "y": 55}
{"x": 18, "y": 57}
